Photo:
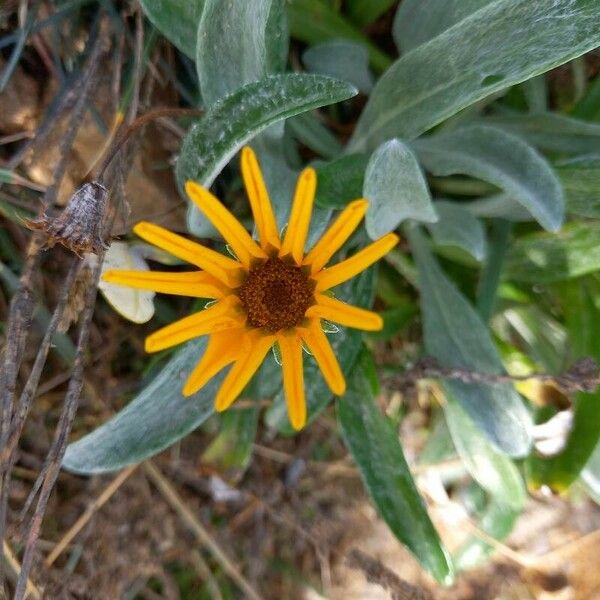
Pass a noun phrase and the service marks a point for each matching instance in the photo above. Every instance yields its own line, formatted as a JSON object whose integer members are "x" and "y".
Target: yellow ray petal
{"x": 259, "y": 200}
{"x": 333, "y": 239}
{"x": 223, "y": 315}
{"x": 255, "y": 347}
{"x": 321, "y": 349}
{"x": 223, "y": 268}
{"x": 231, "y": 229}
{"x": 293, "y": 378}
{"x": 222, "y": 349}
{"x": 344, "y": 314}
{"x": 332, "y": 276}
{"x": 197, "y": 284}
{"x": 297, "y": 229}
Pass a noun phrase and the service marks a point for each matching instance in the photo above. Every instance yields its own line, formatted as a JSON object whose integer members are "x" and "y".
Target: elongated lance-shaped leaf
{"x": 418, "y": 21}
{"x": 396, "y": 189}
{"x": 156, "y": 418}
{"x": 503, "y": 43}
{"x": 177, "y": 20}
{"x": 456, "y": 336}
{"x": 237, "y": 118}
{"x": 500, "y": 158}
{"x": 458, "y": 227}
{"x": 374, "y": 446}
{"x": 493, "y": 471}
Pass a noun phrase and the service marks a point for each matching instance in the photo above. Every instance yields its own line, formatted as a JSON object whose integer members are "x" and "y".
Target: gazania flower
{"x": 272, "y": 293}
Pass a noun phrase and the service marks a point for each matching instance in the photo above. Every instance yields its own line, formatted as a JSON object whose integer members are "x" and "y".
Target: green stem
{"x": 490, "y": 275}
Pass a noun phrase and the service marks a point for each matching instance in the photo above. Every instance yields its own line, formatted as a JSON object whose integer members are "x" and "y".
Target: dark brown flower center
{"x": 276, "y": 295}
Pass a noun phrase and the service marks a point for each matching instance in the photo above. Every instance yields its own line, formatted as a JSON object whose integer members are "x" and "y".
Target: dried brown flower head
{"x": 79, "y": 226}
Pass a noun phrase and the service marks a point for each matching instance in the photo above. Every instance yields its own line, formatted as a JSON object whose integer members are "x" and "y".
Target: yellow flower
{"x": 273, "y": 292}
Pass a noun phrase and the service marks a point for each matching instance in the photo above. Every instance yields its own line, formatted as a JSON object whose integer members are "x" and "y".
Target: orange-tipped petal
{"x": 332, "y": 276}
{"x": 223, "y": 315}
{"x": 253, "y": 353}
{"x": 293, "y": 378}
{"x": 197, "y": 284}
{"x": 222, "y": 349}
{"x": 297, "y": 229}
{"x": 259, "y": 200}
{"x": 321, "y": 349}
{"x": 344, "y": 314}
{"x": 230, "y": 228}
{"x": 333, "y": 239}
{"x": 223, "y": 268}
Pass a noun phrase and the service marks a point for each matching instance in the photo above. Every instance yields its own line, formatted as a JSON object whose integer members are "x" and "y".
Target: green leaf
{"x": 395, "y": 320}
{"x": 581, "y": 304}
{"x": 456, "y": 336}
{"x": 499, "y": 158}
{"x": 239, "y": 42}
{"x": 231, "y": 122}
{"x": 157, "y": 417}
{"x": 309, "y": 130}
{"x": 591, "y": 475}
{"x": 346, "y": 344}
{"x": 497, "y": 521}
{"x": 345, "y": 60}
{"x": 177, "y": 20}
{"x": 580, "y": 178}
{"x": 418, "y": 21}
{"x": 551, "y": 132}
{"x": 232, "y": 448}
{"x": 341, "y": 181}
{"x": 546, "y": 258}
{"x": 458, "y": 227}
{"x": 373, "y": 444}
{"x": 494, "y": 472}
{"x": 502, "y": 44}
{"x": 364, "y": 12}
{"x": 313, "y": 21}
{"x": 396, "y": 189}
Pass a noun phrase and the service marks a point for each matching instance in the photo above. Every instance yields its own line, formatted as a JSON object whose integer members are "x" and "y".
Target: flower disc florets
{"x": 276, "y": 295}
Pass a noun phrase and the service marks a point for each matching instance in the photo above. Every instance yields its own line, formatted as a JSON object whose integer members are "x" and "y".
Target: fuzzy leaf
{"x": 396, "y": 189}
{"x": 374, "y": 446}
{"x": 504, "y": 43}
{"x": 456, "y": 336}
{"x": 500, "y": 158}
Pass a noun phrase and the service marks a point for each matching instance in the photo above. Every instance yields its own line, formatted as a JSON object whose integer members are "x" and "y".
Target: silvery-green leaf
{"x": 545, "y": 258}
{"x": 503, "y": 43}
{"x": 551, "y": 131}
{"x": 396, "y": 189}
{"x": 493, "y": 471}
{"x": 499, "y": 206}
{"x": 312, "y": 133}
{"x": 500, "y": 158}
{"x": 342, "y": 59}
{"x": 231, "y": 122}
{"x": 580, "y": 178}
{"x": 455, "y": 335}
{"x": 374, "y": 446}
{"x": 235, "y": 45}
{"x": 177, "y": 20}
{"x": 156, "y": 418}
{"x": 418, "y": 21}
{"x": 458, "y": 227}
{"x": 133, "y": 304}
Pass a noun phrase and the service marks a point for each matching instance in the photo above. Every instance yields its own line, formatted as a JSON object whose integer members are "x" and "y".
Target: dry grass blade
{"x": 108, "y": 492}
{"x": 30, "y": 590}
{"x": 190, "y": 520}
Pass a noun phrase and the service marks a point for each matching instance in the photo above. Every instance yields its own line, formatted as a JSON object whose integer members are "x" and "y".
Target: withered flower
{"x": 79, "y": 226}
